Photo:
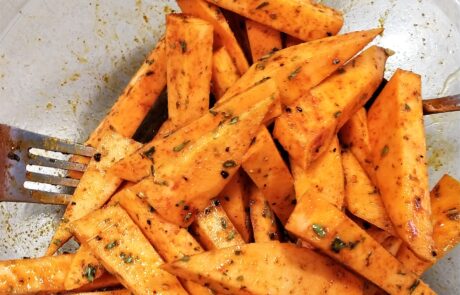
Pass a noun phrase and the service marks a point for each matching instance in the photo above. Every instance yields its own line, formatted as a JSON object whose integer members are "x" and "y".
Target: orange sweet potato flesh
{"x": 362, "y": 198}
{"x": 25, "y": 276}
{"x": 306, "y": 129}
{"x": 262, "y": 39}
{"x": 302, "y": 19}
{"x": 124, "y": 251}
{"x": 326, "y": 227}
{"x": 188, "y": 174}
{"x": 84, "y": 269}
{"x": 299, "y": 68}
{"x": 267, "y": 268}
{"x": 171, "y": 241}
{"x": 189, "y": 51}
{"x": 223, "y": 34}
{"x": 445, "y": 205}
{"x": 224, "y": 72}
{"x": 105, "y": 281}
{"x": 397, "y": 139}
{"x": 324, "y": 177}
{"x": 267, "y": 169}
{"x": 96, "y": 185}
{"x": 263, "y": 219}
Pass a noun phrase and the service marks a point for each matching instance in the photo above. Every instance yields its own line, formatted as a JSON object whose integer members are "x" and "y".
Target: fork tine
{"x": 54, "y": 163}
{"x": 51, "y": 179}
{"x": 50, "y": 197}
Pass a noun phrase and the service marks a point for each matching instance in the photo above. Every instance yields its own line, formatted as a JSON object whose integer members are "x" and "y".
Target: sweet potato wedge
{"x": 84, "y": 269}
{"x": 235, "y": 202}
{"x": 265, "y": 166}
{"x": 326, "y": 227}
{"x": 388, "y": 241}
{"x": 171, "y": 241}
{"x": 189, "y": 50}
{"x": 355, "y": 135}
{"x": 153, "y": 154}
{"x": 141, "y": 93}
{"x": 306, "y": 130}
{"x": 97, "y": 184}
{"x": 105, "y": 281}
{"x": 267, "y": 268}
{"x": 214, "y": 229}
{"x": 263, "y": 219}
{"x": 124, "y": 251}
{"x": 262, "y": 39}
{"x": 24, "y": 276}
{"x": 362, "y": 198}
{"x": 299, "y": 68}
{"x": 223, "y": 34}
{"x": 445, "y": 216}
{"x": 224, "y": 72}
{"x": 301, "y": 19}
{"x": 324, "y": 177}
{"x": 397, "y": 139}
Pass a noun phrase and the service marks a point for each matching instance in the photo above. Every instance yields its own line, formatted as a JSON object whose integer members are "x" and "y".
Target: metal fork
{"x": 33, "y": 167}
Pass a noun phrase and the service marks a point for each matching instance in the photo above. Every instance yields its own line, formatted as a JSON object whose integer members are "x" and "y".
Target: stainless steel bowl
{"x": 63, "y": 63}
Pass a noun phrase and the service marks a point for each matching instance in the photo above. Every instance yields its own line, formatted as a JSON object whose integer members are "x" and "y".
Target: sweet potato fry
{"x": 306, "y": 129}
{"x": 362, "y": 198}
{"x": 328, "y": 228}
{"x": 223, "y": 34}
{"x": 141, "y": 93}
{"x": 267, "y": 268}
{"x": 265, "y": 166}
{"x": 388, "y": 241}
{"x": 114, "y": 292}
{"x": 397, "y": 139}
{"x": 262, "y": 39}
{"x": 83, "y": 269}
{"x": 25, "y": 276}
{"x": 299, "y": 68}
{"x": 355, "y": 135}
{"x": 324, "y": 177}
{"x": 214, "y": 229}
{"x": 301, "y": 19}
{"x": 171, "y": 241}
{"x": 97, "y": 184}
{"x": 189, "y": 51}
{"x": 124, "y": 251}
{"x": 445, "y": 204}
{"x": 262, "y": 217}
{"x": 105, "y": 281}
{"x": 224, "y": 72}
{"x": 234, "y": 201}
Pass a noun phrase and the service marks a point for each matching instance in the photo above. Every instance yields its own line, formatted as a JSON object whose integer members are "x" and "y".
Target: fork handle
{"x": 441, "y": 105}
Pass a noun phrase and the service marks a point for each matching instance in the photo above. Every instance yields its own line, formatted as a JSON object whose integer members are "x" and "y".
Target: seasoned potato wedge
{"x": 262, "y": 39}
{"x": 267, "y": 268}
{"x": 84, "y": 269}
{"x": 397, "y": 139}
{"x": 324, "y": 177}
{"x": 96, "y": 186}
{"x": 302, "y": 19}
{"x": 306, "y": 129}
{"x": 224, "y": 72}
{"x": 263, "y": 219}
{"x": 189, "y": 50}
{"x": 124, "y": 251}
{"x": 326, "y": 227}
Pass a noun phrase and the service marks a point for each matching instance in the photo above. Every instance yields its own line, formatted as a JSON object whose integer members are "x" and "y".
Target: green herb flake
{"x": 234, "y": 120}
{"x": 260, "y": 66}
{"x": 181, "y": 146}
{"x": 161, "y": 182}
{"x": 294, "y": 73}
{"x": 213, "y": 112}
{"x": 262, "y": 5}
{"x": 385, "y": 151}
{"x": 223, "y": 223}
{"x": 89, "y": 272}
{"x": 148, "y": 153}
{"x": 229, "y": 164}
{"x": 57, "y": 242}
{"x": 111, "y": 245}
{"x": 262, "y": 81}
{"x": 407, "y": 107}
{"x": 185, "y": 258}
{"x": 126, "y": 258}
{"x": 337, "y": 114}
{"x": 183, "y": 46}
{"x": 231, "y": 235}
{"x": 240, "y": 278}
{"x": 414, "y": 286}
{"x": 188, "y": 216}
{"x": 337, "y": 245}
{"x": 319, "y": 230}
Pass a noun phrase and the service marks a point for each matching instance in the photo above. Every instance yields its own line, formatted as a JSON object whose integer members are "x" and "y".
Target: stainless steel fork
{"x": 33, "y": 167}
